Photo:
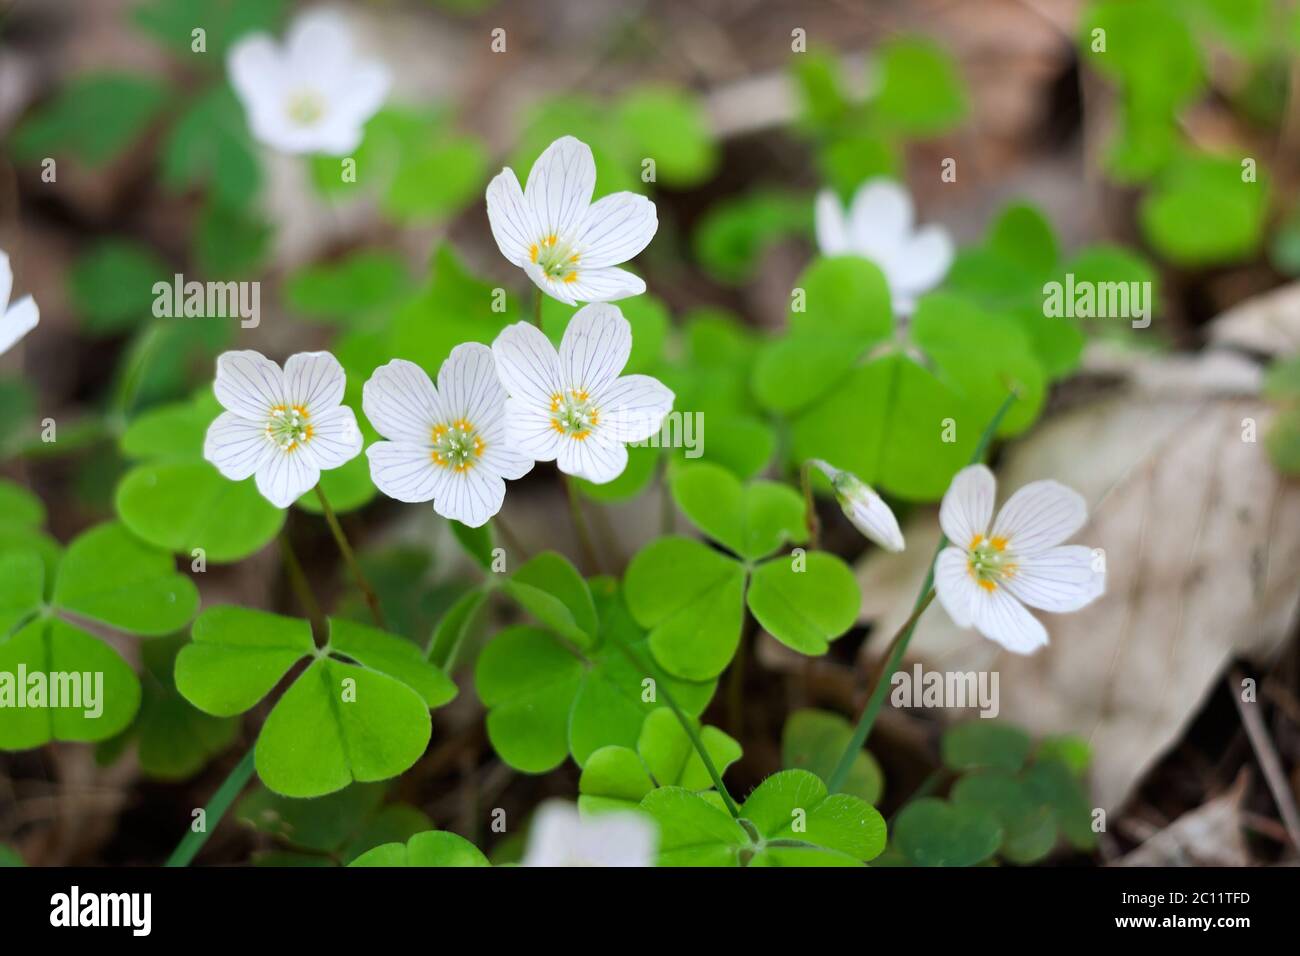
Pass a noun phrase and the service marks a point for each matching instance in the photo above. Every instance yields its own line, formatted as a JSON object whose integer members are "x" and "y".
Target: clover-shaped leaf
{"x": 752, "y": 519}
{"x": 431, "y": 848}
{"x": 341, "y": 826}
{"x": 552, "y": 590}
{"x": 618, "y": 777}
{"x": 1028, "y": 824}
{"x": 548, "y": 698}
{"x": 692, "y": 598}
{"x": 108, "y": 577}
{"x": 174, "y": 740}
{"x": 174, "y": 499}
{"x": 985, "y": 743}
{"x": 814, "y": 740}
{"x": 932, "y": 832}
{"x": 789, "y": 820}
{"x": 359, "y": 711}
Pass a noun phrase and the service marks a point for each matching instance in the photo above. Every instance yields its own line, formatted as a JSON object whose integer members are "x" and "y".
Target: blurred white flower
{"x": 447, "y": 444}
{"x": 16, "y": 319}
{"x": 311, "y": 96}
{"x": 865, "y": 509}
{"x": 568, "y": 245}
{"x": 561, "y": 837}
{"x": 878, "y": 226}
{"x": 573, "y": 406}
{"x": 283, "y": 427}
{"x": 988, "y": 575}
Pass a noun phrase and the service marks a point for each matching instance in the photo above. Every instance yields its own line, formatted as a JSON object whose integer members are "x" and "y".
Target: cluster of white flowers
{"x": 494, "y": 411}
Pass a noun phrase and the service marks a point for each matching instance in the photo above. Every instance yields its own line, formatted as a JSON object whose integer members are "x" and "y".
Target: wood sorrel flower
{"x": 311, "y": 96}
{"x": 560, "y": 836}
{"x": 573, "y": 406}
{"x": 878, "y": 226}
{"x": 865, "y": 509}
{"x": 283, "y": 427}
{"x": 568, "y": 245}
{"x": 446, "y": 444}
{"x": 989, "y": 574}
{"x": 18, "y": 319}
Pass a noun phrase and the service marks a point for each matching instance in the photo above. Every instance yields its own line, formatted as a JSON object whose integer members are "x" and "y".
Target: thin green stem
{"x": 580, "y": 525}
{"x": 350, "y": 558}
{"x": 301, "y": 588}
{"x": 904, "y": 636}
{"x": 193, "y": 841}
{"x": 688, "y": 725}
{"x": 537, "y": 308}
{"x": 810, "y": 507}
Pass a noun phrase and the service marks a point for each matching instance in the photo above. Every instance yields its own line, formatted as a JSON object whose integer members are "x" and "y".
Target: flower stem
{"x": 193, "y": 841}
{"x": 904, "y": 636}
{"x": 810, "y": 508}
{"x": 350, "y": 558}
{"x": 688, "y": 725}
{"x": 580, "y": 525}
{"x": 537, "y": 308}
{"x": 301, "y": 587}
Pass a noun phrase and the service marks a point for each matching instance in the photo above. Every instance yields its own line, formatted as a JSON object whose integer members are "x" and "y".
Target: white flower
{"x": 447, "y": 443}
{"x": 878, "y": 226}
{"x": 574, "y": 406}
{"x": 284, "y": 427}
{"x": 18, "y": 319}
{"x": 312, "y": 95}
{"x": 865, "y": 509}
{"x": 561, "y": 837}
{"x": 989, "y": 574}
{"x": 568, "y": 245}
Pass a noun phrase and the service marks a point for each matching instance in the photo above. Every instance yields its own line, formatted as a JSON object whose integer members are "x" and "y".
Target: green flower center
{"x": 989, "y": 562}
{"x": 288, "y": 427}
{"x": 573, "y": 414}
{"x": 556, "y": 257}
{"x": 457, "y": 446}
{"x": 305, "y": 108}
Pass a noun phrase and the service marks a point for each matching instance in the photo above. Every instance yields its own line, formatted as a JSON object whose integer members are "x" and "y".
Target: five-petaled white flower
{"x": 574, "y": 406}
{"x": 447, "y": 443}
{"x": 865, "y": 509}
{"x": 878, "y": 226}
{"x": 560, "y": 836}
{"x": 18, "y": 319}
{"x": 568, "y": 245}
{"x": 989, "y": 574}
{"x": 285, "y": 427}
{"x": 311, "y": 96}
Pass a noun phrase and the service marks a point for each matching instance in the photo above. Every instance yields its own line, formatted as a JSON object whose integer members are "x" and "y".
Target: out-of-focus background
{"x": 1183, "y": 681}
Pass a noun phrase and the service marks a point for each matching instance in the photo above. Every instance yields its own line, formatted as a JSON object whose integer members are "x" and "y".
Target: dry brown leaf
{"x": 1210, "y": 835}
{"x": 1202, "y": 542}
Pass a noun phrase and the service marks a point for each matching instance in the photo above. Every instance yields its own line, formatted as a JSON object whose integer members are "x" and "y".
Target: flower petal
{"x": 1001, "y": 618}
{"x": 335, "y": 438}
{"x": 602, "y": 285}
{"x": 597, "y": 458}
{"x": 256, "y": 70}
{"x": 237, "y": 446}
{"x": 510, "y": 217}
{"x": 401, "y": 403}
{"x": 880, "y": 217}
{"x": 366, "y": 87}
{"x": 314, "y": 380}
{"x": 954, "y": 585}
{"x": 831, "y": 224}
{"x": 285, "y": 476}
{"x": 501, "y": 458}
{"x": 530, "y": 430}
{"x": 633, "y": 407}
{"x": 555, "y": 288}
{"x": 869, "y": 514}
{"x": 405, "y": 471}
{"x": 560, "y": 185}
{"x": 527, "y": 364}
{"x": 615, "y": 229}
{"x": 15, "y": 322}
{"x": 318, "y": 46}
{"x": 468, "y": 387}
{"x": 1040, "y": 515}
{"x": 471, "y": 496}
{"x": 595, "y": 347}
{"x": 249, "y": 384}
{"x": 967, "y": 506}
{"x": 1059, "y": 579}
{"x": 922, "y": 261}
